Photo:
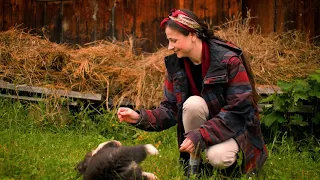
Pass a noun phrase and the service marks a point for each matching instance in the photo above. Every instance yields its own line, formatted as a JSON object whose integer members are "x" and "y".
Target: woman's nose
{"x": 170, "y": 46}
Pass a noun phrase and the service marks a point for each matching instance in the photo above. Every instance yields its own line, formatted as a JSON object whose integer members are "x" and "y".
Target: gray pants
{"x": 195, "y": 113}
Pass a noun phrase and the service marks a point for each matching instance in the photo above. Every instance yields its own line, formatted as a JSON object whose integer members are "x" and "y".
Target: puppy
{"x": 112, "y": 161}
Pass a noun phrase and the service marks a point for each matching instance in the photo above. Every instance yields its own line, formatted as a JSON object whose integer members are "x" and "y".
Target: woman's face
{"x": 180, "y": 44}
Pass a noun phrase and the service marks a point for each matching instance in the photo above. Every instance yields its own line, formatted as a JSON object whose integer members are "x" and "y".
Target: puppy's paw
{"x": 150, "y": 176}
{"x": 151, "y": 149}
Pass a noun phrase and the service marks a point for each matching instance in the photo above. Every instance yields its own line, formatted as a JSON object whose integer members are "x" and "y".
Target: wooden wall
{"x": 284, "y": 15}
{"x": 82, "y": 21}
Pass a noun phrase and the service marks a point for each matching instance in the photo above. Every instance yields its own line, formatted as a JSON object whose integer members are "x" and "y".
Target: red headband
{"x": 174, "y": 15}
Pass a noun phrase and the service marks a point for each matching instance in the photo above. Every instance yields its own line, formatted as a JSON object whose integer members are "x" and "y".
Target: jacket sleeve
{"x": 230, "y": 121}
{"x": 163, "y": 117}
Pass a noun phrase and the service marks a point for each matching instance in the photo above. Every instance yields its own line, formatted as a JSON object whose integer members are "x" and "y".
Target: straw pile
{"x": 112, "y": 69}
{"x": 101, "y": 67}
{"x": 273, "y": 57}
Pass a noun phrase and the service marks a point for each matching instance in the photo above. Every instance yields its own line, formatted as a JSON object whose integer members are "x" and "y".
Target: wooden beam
{"x": 52, "y": 92}
{"x": 267, "y": 89}
{"x": 22, "y": 97}
{"x": 32, "y": 99}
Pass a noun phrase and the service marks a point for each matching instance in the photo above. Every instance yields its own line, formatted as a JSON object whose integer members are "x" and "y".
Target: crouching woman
{"x": 209, "y": 93}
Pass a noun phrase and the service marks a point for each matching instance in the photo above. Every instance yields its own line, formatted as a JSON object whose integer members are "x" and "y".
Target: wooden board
{"x": 267, "y": 89}
{"x": 32, "y": 99}
{"x": 52, "y": 92}
{"x": 2, "y": 14}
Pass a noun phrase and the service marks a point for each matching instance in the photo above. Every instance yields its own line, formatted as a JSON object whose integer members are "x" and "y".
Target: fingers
{"x": 122, "y": 113}
{"x": 127, "y": 115}
{"x": 188, "y": 149}
{"x": 187, "y": 146}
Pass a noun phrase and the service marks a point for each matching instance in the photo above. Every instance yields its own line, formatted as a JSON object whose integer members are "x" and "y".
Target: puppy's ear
{"x": 82, "y": 166}
{"x": 113, "y": 143}
{"x": 106, "y": 144}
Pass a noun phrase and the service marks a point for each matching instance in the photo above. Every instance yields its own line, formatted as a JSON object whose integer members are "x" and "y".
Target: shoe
{"x": 203, "y": 169}
{"x": 192, "y": 171}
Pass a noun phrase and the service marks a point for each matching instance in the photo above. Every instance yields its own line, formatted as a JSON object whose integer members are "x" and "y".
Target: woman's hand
{"x": 128, "y": 115}
{"x": 187, "y": 146}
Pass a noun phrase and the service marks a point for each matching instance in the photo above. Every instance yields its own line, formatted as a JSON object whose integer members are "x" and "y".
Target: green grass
{"x": 38, "y": 142}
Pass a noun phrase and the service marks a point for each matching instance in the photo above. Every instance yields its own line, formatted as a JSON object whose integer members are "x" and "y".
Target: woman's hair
{"x": 206, "y": 34}
{"x": 246, "y": 64}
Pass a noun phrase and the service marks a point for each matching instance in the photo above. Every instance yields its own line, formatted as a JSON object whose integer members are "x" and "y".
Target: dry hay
{"x": 101, "y": 67}
{"x": 275, "y": 56}
{"x": 113, "y": 70}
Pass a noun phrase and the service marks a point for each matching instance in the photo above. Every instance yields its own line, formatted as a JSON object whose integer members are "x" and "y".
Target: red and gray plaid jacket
{"x": 228, "y": 94}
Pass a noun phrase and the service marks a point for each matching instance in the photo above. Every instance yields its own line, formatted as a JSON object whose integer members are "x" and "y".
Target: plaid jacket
{"x": 228, "y": 94}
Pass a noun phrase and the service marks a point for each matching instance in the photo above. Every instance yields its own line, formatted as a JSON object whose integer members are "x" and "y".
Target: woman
{"x": 209, "y": 93}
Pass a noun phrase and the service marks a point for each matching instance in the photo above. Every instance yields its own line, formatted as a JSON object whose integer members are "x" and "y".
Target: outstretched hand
{"x": 128, "y": 115}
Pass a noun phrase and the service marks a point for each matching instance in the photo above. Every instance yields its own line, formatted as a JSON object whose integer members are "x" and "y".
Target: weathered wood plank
{"x": 2, "y": 15}
{"x": 307, "y": 17}
{"x": 298, "y": 14}
{"x": 7, "y": 11}
{"x": 220, "y": 13}
{"x": 52, "y": 92}
{"x": 267, "y": 90}
{"x": 33, "y": 99}
{"x": 26, "y": 13}
{"x": 122, "y": 19}
{"x": 210, "y": 13}
{"x": 163, "y": 12}
{"x": 200, "y": 8}
{"x": 232, "y": 8}
{"x": 53, "y": 0}
{"x": 185, "y": 4}
{"x": 262, "y": 13}
{"x": 22, "y": 97}
{"x": 316, "y": 34}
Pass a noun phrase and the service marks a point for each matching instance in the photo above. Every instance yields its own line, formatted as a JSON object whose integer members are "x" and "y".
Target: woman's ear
{"x": 193, "y": 37}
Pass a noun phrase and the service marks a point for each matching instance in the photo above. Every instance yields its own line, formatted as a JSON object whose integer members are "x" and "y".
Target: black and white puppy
{"x": 110, "y": 160}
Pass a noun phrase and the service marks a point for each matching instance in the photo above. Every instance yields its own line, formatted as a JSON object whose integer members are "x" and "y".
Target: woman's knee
{"x": 195, "y": 106}
{"x": 223, "y": 155}
{"x": 195, "y": 113}
{"x": 194, "y": 103}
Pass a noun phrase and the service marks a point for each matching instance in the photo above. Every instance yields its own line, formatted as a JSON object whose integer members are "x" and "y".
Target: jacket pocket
{"x": 216, "y": 79}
